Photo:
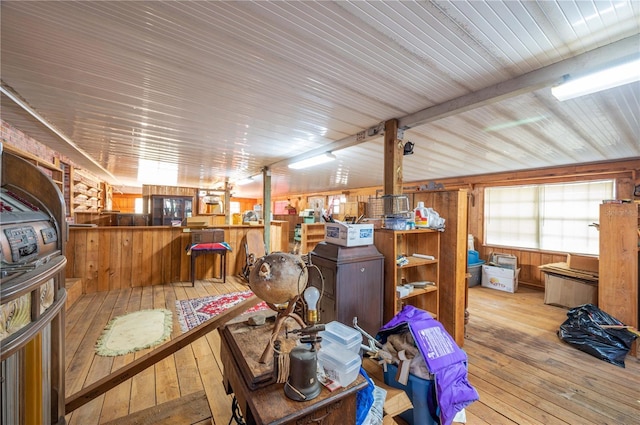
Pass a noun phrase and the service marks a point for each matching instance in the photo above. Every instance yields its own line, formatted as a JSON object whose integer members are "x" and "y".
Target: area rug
{"x": 135, "y": 331}
{"x": 195, "y": 311}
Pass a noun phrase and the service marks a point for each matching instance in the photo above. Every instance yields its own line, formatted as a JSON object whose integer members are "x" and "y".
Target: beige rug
{"x": 135, "y": 331}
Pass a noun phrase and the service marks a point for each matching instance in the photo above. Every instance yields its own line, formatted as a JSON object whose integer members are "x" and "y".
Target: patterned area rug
{"x": 196, "y": 311}
{"x": 135, "y": 331}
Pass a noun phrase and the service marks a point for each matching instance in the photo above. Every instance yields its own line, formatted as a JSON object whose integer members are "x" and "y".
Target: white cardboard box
{"x": 500, "y": 278}
{"x": 348, "y": 234}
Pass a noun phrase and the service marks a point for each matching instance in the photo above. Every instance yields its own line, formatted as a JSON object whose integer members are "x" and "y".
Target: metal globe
{"x": 278, "y": 277}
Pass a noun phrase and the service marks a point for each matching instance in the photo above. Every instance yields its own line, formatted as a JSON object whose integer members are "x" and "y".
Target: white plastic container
{"x": 338, "y": 363}
{"x": 343, "y": 335}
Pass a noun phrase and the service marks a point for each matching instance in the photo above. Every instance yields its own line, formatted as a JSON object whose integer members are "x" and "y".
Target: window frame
{"x": 539, "y": 236}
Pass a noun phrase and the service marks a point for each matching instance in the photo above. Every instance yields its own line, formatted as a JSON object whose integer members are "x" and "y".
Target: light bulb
{"x": 311, "y": 296}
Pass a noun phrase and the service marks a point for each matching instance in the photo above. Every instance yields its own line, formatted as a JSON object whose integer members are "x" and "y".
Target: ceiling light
{"x": 614, "y": 76}
{"x": 245, "y": 181}
{"x": 310, "y": 162}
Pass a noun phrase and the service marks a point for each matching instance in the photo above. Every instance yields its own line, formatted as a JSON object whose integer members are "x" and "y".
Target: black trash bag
{"x": 583, "y": 330}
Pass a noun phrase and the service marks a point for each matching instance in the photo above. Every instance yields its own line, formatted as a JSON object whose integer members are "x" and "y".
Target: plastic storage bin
{"x": 338, "y": 333}
{"x": 476, "y": 273}
{"x": 419, "y": 391}
{"x": 395, "y": 223}
{"x": 473, "y": 257}
{"x": 339, "y": 364}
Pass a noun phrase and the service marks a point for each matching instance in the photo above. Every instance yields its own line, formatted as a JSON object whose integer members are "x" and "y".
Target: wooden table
{"x": 269, "y": 404}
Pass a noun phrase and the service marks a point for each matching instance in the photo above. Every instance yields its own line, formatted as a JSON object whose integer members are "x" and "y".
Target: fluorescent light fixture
{"x": 310, "y": 162}
{"x": 614, "y": 76}
{"x": 245, "y": 181}
{"x": 516, "y": 123}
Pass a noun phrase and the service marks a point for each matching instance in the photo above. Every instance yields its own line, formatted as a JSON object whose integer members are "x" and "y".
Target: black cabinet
{"x": 170, "y": 210}
{"x": 353, "y": 284}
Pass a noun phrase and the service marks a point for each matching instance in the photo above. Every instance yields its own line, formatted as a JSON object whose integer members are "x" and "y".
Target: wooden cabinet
{"x": 353, "y": 284}
{"x": 396, "y": 243}
{"x": 312, "y": 234}
{"x": 166, "y": 210}
{"x": 618, "y": 270}
{"x": 86, "y": 193}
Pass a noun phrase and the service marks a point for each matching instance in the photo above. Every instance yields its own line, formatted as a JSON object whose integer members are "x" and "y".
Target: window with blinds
{"x": 550, "y": 217}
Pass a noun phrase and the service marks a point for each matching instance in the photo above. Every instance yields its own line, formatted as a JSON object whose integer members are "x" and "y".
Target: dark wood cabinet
{"x": 353, "y": 284}
{"x": 166, "y": 210}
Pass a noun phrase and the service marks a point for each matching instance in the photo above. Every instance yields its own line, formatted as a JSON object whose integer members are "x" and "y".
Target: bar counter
{"x": 115, "y": 257}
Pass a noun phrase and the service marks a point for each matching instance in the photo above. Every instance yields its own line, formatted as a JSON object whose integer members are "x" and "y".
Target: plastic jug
{"x": 420, "y": 216}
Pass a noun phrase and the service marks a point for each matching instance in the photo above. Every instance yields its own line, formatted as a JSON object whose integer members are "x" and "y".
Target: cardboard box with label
{"x": 500, "y": 278}
{"x": 348, "y": 234}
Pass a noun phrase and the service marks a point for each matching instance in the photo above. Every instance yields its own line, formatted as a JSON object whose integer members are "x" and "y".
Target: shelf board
{"x": 405, "y": 232}
{"x": 419, "y": 291}
{"x": 415, "y": 262}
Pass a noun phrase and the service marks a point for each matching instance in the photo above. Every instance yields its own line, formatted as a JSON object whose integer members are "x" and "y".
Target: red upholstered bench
{"x": 218, "y": 248}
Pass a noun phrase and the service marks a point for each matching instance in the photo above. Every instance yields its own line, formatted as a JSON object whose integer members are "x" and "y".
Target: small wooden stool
{"x": 218, "y": 248}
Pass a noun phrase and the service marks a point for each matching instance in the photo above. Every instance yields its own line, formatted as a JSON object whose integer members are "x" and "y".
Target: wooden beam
{"x": 100, "y": 387}
{"x": 534, "y": 80}
{"x": 393, "y": 153}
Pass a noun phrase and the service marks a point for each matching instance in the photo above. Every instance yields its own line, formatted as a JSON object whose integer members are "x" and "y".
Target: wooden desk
{"x": 269, "y": 405}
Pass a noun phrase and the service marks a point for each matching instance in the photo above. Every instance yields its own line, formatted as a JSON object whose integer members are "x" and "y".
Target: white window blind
{"x": 551, "y": 217}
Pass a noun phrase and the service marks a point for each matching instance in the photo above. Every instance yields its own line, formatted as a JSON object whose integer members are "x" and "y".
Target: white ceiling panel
{"x": 222, "y": 89}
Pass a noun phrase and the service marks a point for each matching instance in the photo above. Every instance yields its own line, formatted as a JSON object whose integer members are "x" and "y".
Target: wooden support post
{"x": 393, "y": 152}
{"x": 266, "y": 208}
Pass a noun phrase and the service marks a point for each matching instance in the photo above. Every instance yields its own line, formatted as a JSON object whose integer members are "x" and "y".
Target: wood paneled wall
{"x": 110, "y": 258}
{"x": 125, "y": 202}
{"x": 625, "y": 172}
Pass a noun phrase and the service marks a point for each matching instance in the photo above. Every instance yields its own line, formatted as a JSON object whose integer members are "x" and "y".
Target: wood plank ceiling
{"x": 208, "y": 91}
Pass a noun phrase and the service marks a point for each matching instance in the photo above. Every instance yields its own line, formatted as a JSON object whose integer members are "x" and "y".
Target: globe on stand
{"x": 279, "y": 279}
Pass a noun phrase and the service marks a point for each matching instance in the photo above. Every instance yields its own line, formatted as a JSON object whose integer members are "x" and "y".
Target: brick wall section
{"x": 16, "y": 138}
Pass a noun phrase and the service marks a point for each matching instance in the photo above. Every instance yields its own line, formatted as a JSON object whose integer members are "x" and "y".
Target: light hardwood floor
{"x": 522, "y": 371}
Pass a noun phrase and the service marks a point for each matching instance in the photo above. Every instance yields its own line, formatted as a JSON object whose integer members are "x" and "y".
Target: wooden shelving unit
{"x": 86, "y": 193}
{"x": 395, "y": 243}
{"x": 312, "y": 234}
{"x": 618, "y": 269}
{"x": 52, "y": 169}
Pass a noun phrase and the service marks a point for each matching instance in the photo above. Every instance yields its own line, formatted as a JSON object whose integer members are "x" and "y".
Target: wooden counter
{"x": 110, "y": 258}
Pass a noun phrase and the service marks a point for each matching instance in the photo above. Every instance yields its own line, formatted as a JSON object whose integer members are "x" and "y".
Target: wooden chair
{"x": 254, "y": 248}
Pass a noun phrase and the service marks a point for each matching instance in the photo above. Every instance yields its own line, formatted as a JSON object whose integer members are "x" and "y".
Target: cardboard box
{"x": 566, "y": 292}
{"x": 348, "y": 234}
{"x": 508, "y": 261}
{"x": 500, "y": 278}
{"x": 583, "y": 262}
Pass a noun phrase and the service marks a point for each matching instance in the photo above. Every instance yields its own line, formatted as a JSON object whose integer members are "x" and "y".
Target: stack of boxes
{"x": 501, "y": 272}
{"x": 571, "y": 283}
